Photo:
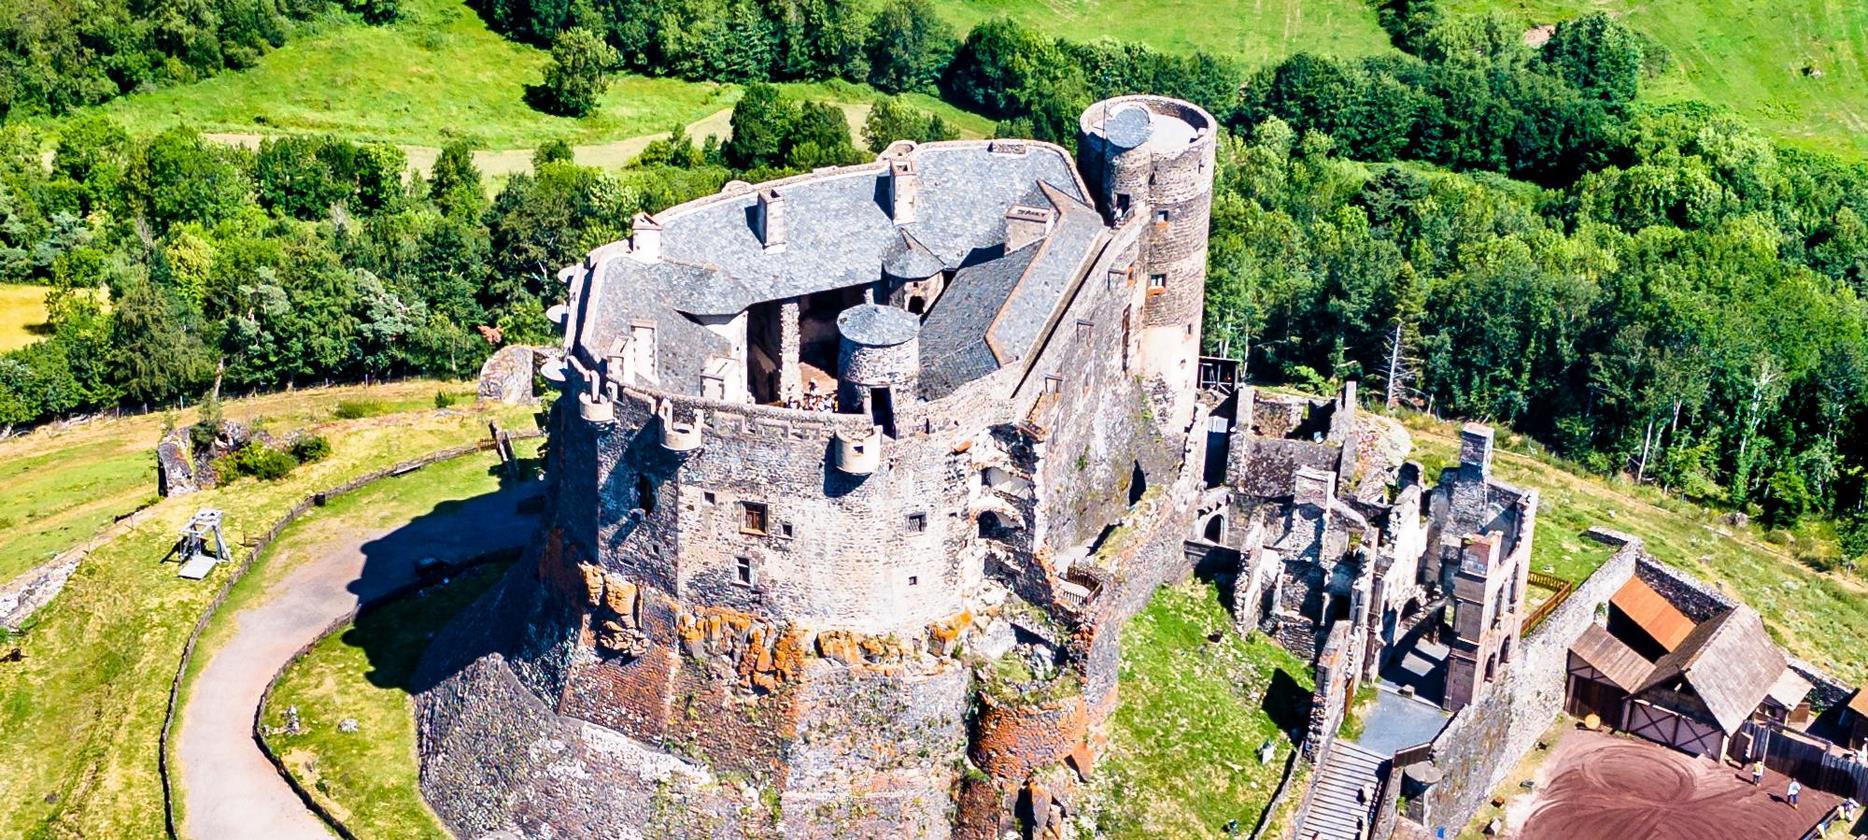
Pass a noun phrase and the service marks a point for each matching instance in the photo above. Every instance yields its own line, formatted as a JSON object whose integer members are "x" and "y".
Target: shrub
{"x": 309, "y": 448}
{"x": 260, "y": 461}
{"x": 444, "y": 399}
{"x": 356, "y": 409}
{"x": 208, "y": 427}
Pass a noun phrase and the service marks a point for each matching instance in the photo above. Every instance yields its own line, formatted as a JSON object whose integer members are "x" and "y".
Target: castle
{"x": 855, "y": 478}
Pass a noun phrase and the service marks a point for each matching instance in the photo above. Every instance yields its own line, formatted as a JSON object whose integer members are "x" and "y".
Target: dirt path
{"x": 494, "y": 163}
{"x": 229, "y": 788}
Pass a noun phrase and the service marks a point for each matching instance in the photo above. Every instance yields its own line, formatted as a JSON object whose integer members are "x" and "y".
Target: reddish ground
{"x": 1607, "y": 787}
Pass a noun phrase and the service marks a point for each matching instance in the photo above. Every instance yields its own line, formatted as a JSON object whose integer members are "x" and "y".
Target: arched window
{"x": 990, "y": 528}
{"x": 1216, "y": 528}
{"x": 1491, "y": 668}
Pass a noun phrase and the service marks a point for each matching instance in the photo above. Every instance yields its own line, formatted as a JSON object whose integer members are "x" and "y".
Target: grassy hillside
{"x": 82, "y": 706}
{"x": 1820, "y": 616}
{"x": 1256, "y": 32}
{"x": 1753, "y": 56}
{"x": 1190, "y": 716}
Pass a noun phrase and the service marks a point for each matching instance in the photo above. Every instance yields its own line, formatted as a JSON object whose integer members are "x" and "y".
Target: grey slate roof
{"x": 840, "y": 234}
{"x": 876, "y": 325}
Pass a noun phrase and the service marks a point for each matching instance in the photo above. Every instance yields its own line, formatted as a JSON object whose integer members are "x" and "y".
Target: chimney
{"x": 1314, "y": 487}
{"x": 1475, "y": 448}
{"x": 1025, "y": 225}
{"x": 646, "y": 242}
{"x": 904, "y": 189}
{"x": 770, "y": 219}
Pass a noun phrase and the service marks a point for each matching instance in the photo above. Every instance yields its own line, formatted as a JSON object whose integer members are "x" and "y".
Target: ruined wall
{"x": 1484, "y": 741}
{"x": 507, "y": 376}
{"x": 1338, "y": 672}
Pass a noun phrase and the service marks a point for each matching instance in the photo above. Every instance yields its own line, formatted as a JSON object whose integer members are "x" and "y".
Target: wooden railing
{"x": 1561, "y": 590}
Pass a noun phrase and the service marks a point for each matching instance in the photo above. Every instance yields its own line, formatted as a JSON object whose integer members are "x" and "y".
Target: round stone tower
{"x": 1149, "y": 162}
{"x": 878, "y": 360}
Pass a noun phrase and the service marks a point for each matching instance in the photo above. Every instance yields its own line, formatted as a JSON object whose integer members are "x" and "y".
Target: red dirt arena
{"x": 1605, "y": 787}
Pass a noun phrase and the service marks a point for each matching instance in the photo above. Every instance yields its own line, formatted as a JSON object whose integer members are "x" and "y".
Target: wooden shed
{"x": 1698, "y": 695}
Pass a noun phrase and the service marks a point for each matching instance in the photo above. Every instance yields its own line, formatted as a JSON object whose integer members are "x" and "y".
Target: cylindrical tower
{"x": 1149, "y": 161}
{"x": 879, "y": 360}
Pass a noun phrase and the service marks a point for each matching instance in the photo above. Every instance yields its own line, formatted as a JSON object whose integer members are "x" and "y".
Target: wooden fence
{"x": 1811, "y": 760}
{"x": 1561, "y": 590}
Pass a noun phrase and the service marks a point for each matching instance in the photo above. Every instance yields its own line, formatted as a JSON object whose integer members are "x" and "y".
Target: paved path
{"x": 229, "y": 788}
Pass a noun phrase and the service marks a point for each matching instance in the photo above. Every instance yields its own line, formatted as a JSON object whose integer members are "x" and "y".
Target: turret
{"x": 879, "y": 361}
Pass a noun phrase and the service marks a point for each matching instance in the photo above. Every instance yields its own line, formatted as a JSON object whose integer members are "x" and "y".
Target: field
{"x": 22, "y": 314}
{"x": 1190, "y": 716}
{"x": 1796, "y": 68}
{"x": 437, "y": 75}
{"x": 1818, "y": 616}
{"x": 1256, "y": 32}
{"x": 82, "y": 706}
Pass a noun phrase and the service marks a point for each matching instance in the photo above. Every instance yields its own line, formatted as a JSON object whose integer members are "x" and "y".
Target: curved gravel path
{"x": 229, "y": 788}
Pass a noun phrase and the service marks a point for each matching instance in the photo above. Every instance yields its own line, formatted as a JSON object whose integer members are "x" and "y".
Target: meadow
{"x": 22, "y": 315}
{"x": 1796, "y": 68}
{"x": 83, "y": 703}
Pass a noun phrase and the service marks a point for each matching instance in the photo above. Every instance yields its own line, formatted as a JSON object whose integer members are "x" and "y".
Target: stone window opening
{"x": 1053, "y": 384}
{"x": 1157, "y": 283}
{"x": 914, "y": 580}
{"x": 743, "y": 572}
{"x": 917, "y": 304}
{"x": 1161, "y": 216}
{"x": 752, "y": 518}
{"x": 917, "y": 523}
{"x": 784, "y": 530}
{"x": 1122, "y": 205}
{"x": 708, "y": 498}
{"x": 1084, "y": 329}
{"x": 645, "y": 494}
{"x": 1491, "y": 668}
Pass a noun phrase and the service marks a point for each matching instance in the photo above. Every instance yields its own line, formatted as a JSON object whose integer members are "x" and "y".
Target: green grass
{"x": 81, "y": 710}
{"x": 1256, "y": 32}
{"x": 1749, "y": 55}
{"x": 1816, "y": 615}
{"x": 368, "y": 777}
{"x": 1190, "y": 716}
{"x": 436, "y": 74}
{"x": 22, "y": 315}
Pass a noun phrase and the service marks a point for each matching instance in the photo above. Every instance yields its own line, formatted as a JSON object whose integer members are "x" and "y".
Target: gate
{"x": 1670, "y": 728}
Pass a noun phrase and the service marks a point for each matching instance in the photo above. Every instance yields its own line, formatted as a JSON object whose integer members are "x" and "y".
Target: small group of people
{"x": 1794, "y": 791}
{"x": 813, "y": 401}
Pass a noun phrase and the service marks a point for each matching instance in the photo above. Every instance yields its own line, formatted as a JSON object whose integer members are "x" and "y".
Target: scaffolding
{"x": 192, "y": 550}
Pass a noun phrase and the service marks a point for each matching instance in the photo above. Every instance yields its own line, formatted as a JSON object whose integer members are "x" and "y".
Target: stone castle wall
{"x": 1485, "y": 740}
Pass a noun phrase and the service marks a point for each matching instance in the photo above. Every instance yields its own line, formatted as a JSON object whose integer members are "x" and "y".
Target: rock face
{"x": 183, "y": 467}
{"x": 778, "y": 540}
{"x": 508, "y": 374}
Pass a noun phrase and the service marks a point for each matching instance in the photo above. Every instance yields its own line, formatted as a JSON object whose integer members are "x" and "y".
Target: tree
{"x": 577, "y": 75}
{"x": 376, "y": 11}
{"x": 1597, "y": 56}
{"x": 1002, "y": 66}
{"x": 819, "y": 136}
{"x": 893, "y": 119}
{"x": 290, "y": 177}
{"x": 454, "y": 183}
{"x": 761, "y": 124}
{"x": 908, "y": 46}
{"x": 154, "y": 356}
{"x": 179, "y": 177}
{"x": 551, "y": 151}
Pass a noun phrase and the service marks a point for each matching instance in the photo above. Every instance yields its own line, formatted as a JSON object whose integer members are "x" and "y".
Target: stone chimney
{"x": 1025, "y": 225}
{"x": 1314, "y": 487}
{"x": 1475, "y": 449}
{"x": 646, "y": 243}
{"x": 769, "y": 219}
{"x": 904, "y": 189}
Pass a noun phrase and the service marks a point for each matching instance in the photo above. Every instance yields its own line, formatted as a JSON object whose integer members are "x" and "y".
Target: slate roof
{"x": 839, "y": 234}
{"x": 1624, "y": 668}
{"x": 1652, "y": 613}
{"x": 1727, "y": 660}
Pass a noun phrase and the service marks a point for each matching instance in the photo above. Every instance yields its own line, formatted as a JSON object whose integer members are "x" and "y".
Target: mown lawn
{"x": 81, "y": 710}
{"x": 1189, "y": 719}
{"x": 1818, "y": 616}
{"x": 1797, "y": 68}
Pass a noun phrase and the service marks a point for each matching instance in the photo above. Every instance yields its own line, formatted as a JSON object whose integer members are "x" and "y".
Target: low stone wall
{"x": 1484, "y": 741}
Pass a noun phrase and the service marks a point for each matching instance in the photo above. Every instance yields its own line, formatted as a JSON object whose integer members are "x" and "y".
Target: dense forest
{"x": 1471, "y": 225}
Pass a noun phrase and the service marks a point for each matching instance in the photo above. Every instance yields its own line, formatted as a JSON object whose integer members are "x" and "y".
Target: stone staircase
{"x": 1342, "y": 799}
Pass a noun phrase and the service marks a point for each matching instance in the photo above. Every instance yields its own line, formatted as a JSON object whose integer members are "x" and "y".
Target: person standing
{"x": 1795, "y": 788}
{"x": 1757, "y": 772}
